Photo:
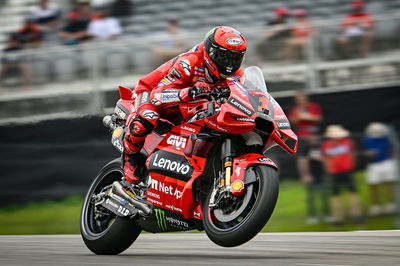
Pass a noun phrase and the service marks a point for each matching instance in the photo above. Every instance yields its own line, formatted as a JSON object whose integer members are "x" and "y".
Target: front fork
{"x": 227, "y": 156}
{"x": 222, "y": 187}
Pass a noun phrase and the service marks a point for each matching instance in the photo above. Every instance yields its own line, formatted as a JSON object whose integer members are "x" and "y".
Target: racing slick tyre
{"x": 107, "y": 234}
{"x": 237, "y": 220}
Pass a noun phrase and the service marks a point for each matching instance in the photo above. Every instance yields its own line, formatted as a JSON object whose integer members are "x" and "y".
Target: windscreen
{"x": 253, "y": 81}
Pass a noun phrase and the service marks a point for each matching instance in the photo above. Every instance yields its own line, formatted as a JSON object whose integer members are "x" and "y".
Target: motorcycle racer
{"x": 185, "y": 78}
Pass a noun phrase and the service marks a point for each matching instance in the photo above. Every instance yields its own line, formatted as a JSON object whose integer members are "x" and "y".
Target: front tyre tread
{"x": 259, "y": 215}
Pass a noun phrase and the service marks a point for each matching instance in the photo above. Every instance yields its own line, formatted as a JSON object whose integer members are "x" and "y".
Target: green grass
{"x": 290, "y": 212}
{"x": 62, "y": 217}
{"x": 42, "y": 218}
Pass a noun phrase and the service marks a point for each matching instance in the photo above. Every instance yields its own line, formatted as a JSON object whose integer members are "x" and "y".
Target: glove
{"x": 197, "y": 92}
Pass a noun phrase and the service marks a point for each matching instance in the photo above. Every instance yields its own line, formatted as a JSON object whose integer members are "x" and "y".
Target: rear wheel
{"x": 102, "y": 231}
{"x": 237, "y": 220}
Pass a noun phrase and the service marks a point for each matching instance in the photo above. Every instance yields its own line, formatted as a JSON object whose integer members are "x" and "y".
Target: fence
{"x": 82, "y": 73}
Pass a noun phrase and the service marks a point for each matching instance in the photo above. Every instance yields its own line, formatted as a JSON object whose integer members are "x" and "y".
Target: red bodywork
{"x": 185, "y": 159}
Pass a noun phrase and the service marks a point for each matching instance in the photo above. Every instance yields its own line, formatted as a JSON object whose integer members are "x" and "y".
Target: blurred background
{"x": 333, "y": 65}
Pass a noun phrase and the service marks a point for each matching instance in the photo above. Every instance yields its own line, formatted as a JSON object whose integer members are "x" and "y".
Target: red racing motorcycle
{"x": 207, "y": 173}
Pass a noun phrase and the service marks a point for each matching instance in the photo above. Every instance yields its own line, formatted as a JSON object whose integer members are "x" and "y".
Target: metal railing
{"x": 87, "y": 70}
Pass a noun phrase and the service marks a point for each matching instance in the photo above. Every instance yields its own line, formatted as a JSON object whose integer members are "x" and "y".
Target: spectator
{"x": 104, "y": 27}
{"x": 11, "y": 59}
{"x": 46, "y": 14}
{"x": 357, "y": 31}
{"x": 30, "y": 34}
{"x": 122, "y": 9}
{"x": 338, "y": 153}
{"x": 280, "y": 19}
{"x": 381, "y": 169}
{"x": 306, "y": 117}
{"x": 172, "y": 43}
{"x": 274, "y": 38}
{"x": 300, "y": 35}
{"x": 75, "y": 29}
{"x": 315, "y": 181}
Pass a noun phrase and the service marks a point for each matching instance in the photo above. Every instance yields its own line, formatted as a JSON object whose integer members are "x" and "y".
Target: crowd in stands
{"x": 47, "y": 22}
{"x": 327, "y": 162}
{"x": 354, "y": 39}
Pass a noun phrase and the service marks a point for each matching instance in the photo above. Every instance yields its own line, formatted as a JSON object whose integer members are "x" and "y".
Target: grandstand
{"x": 83, "y": 78}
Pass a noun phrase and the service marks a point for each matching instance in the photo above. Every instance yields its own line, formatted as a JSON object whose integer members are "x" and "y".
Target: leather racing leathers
{"x": 158, "y": 94}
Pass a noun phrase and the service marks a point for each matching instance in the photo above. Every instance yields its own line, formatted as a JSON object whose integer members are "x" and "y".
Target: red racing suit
{"x": 159, "y": 93}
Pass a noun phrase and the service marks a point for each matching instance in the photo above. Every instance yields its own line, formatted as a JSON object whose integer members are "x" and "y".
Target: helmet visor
{"x": 228, "y": 61}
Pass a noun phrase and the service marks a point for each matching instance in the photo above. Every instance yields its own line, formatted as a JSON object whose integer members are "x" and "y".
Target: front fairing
{"x": 250, "y": 107}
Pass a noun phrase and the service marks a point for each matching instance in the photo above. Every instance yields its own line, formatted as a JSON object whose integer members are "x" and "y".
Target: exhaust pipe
{"x": 118, "y": 189}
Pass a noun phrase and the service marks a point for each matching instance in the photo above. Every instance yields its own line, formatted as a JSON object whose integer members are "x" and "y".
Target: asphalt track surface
{"x": 316, "y": 249}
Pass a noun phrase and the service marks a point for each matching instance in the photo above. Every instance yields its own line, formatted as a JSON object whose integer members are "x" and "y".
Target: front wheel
{"x": 237, "y": 220}
{"x": 103, "y": 232}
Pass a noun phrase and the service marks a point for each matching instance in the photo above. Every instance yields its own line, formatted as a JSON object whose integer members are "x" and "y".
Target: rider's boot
{"x": 131, "y": 168}
{"x": 130, "y": 187}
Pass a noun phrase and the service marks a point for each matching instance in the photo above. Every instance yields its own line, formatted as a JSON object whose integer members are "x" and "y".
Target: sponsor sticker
{"x": 121, "y": 114}
{"x": 244, "y": 158}
{"x": 165, "y": 81}
{"x": 144, "y": 97}
{"x": 240, "y": 106}
{"x": 210, "y": 64}
{"x": 208, "y": 77}
{"x": 186, "y": 66}
{"x": 166, "y": 97}
{"x": 154, "y": 195}
{"x": 176, "y": 73}
{"x": 171, "y": 77}
{"x": 150, "y": 114}
{"x": 237, "y": 170}
{"x": 117, "y": 132}
{"x": 170, "y": 90}
{"x": 170, "y": 96}
{"x": 234, "y": 41}
{"x": 188, "y": 129}
{"x": 177, "y": 141}
{"x": 153, "y": 201}
{"x": 163, "y": 220}
{"x": 117, "y": 144}
{"x": 264, "y": 159}
{"x": 242, "y": 92}
{"x": 237, "y": 185}
{"x": 245, "y": 119}
{"x": 171, "y": 164}
{"x": 168, "y": 190}
{"x": 214, "y": 125}
{"x": 173, "y": 208}
{"x": 122, "y": 210}
{"x": 283, "y": 124}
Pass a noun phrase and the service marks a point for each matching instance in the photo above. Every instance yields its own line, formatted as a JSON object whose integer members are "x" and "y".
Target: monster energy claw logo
{"x": 161, "y": 221}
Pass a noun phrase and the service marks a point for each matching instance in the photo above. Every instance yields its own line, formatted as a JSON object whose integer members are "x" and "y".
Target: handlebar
{"x": 216, "y": 94}
{"x": 108, "y": 122}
